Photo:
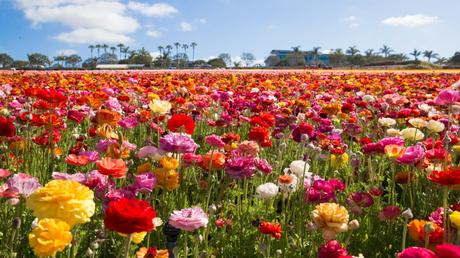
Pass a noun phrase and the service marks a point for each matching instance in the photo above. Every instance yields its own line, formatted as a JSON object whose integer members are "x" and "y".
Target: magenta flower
{"x": 263, "y": 165}
{"x": 77, "y": 177}
{"x": 145, "y": 182}
{"x": 332, "y": 248}
{"x": 361, "y": 199}
{"x": 177, "y": 142}
{"x": 98, "y": 182}
{"x": 448, "y": 250}
{"x": 389, "y": 213}
{"x": 436, "y": 216}
{"x": 24, "y": 184}
{"x": 447, "y": 97}
{"x": 239, "y": 167}
{"x": 215, "y": 141}
{"x": 391, "y": 141}
{"x": 128, "y": 122}
{"x": 412, "y": 155}
{"x": 417, "y": 252}
{"x": 189, "y": 219}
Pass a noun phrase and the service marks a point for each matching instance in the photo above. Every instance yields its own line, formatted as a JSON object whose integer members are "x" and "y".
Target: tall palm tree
{"x": 125, "y": 51}
{"x": 113, "y": 50}
{"x": 352, "y": 51}
{"x": 296, "y": 48}
{"x": 316, "y": 54}
{"x": 193, "y": 45}
{"x": 120, "y": 47}
{"x": 91, "y": 47}
{"x": 369, "y": 52}
{"x": 98, "y": 47}
{"x": 386, "y": 50}
{"x": 416, "y": 53}
{"x": 429, "y": 54}
{"x": 105, "y": 46}
{"x": 185, "y": 47}
{"x": 177, "y": 45}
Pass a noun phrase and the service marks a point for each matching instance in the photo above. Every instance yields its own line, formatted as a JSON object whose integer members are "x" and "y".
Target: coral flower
{"x": 129, "y": 216}
{"x": 181, "y": 123}
{"x": 449, "y": 177}
{"x": 106, "y": 116}
{"x": 77, "y": 160}
{"x": 331, "y": 219}
{"x": 417, "y": 232}
{"x": 394, "y": 151}
{"x": 213, "y": 161}
{"x": 272, "y": 229}
{"x": 49, "y": 237}
{"x": 112, "y": 167}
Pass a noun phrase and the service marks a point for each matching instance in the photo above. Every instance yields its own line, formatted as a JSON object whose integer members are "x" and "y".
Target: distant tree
{"x": 441, "y": 61}
{"x": 98, "y": 48}
{"x": 142, "y": 56}
{"x": 415, "y": 53}
{"x": 369, "y": 52}
{"x": 455, "y": 59}
{"x": 429, "y": 54}
{"x": 248, "y": 58}
{"x": 89, "y": 63}
{"x": 337, "y": 57}
{"x": 237, "y": 64}
{"x": 105, "y": 46}
{"x": 73, "y": 60}
{"x": 272, "y": 61}
{"x": 113, "y": 49}
{"x": 199, "y": 63}
{"x": 107, "y": 58}
{"x": 352, "y": 51}
{"x": 227, "y": 58}
{"x": 91, "y": 47}
{"x": 193, "y": 45}
{"x": 177, "y": 45}
{"x": 316, "y": 55}
{"x": 120, "y": 47}
{"x": 37, "y": 59}
{"x": 21, "y": 64}
{"x": 59, "y": 60}
{"x": 217, "y": 63}
{"x": 296, "y": 57}
{"x": 386, "y": 50}
{"x": 6, "y": 61}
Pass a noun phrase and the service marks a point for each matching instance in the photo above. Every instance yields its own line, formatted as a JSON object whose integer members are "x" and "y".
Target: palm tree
{"x": 120, "y": 47}
{"x": 193, "y": 45}
{"x": 429, "y": 54}
{"x": 296, "y": 48}
{"x": 352, "y": 51}
{"x": 105, "y": 46}
{"x": 177, "y": 45}
{"x": 369, "y": 52}
{"x": 316, "y": 54}
{"x": 98, "y": 48}
{"x": 91, "y": 47}
{"x": 125, "y": 51}
{"x": 441, "y": 60}
{"x": 386, "y": 50}
{"x": 113, "y": 50}
{"x": 416, "y": 53}
{"x": 185, "y": 46}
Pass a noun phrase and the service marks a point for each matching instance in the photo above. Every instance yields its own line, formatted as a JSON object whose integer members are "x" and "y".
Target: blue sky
{"x": 228, "y": 26}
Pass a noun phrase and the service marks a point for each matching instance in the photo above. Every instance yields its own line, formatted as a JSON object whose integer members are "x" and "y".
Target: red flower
{"x": 260, "y": 135}
{"x": 75, "y": 116}
{"x": 449, "y": 177}
{"x": 129, "y": 216}
{"x": 53, "y": 97}
{"x": 180, "y": 122}
{"x": 6, "y": 127}
{"x": 271, "y": 229}
{"x": 264, "y": 120}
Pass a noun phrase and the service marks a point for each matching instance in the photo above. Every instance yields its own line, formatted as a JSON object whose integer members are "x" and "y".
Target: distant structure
{"x": 119, "y": 66}
{"x": 310, "y": 59}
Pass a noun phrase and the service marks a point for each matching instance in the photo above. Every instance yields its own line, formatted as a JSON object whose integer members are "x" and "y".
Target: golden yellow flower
{"x": 331, "y": 219}
{"x": 160, "y": 106}
{"x": 152, "y": 96}
{"x": 144, "y": 168}
{"x": 168, "y": 179}
{"x": 49, "y": 237}
{"x": 136, "y": 237}
{"x": 106, "y": 131}
{"x": 455, "y": 219}
{"x": 339, "y": 161}
{"x": 169, "y": 162}
{"x": 66, "y": 200}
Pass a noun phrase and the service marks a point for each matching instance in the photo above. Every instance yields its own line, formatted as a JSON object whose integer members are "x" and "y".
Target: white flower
{"x": 391, "y": 132}
{"x": 435, "y": 126}
{"x": 425, "y": 107}
{"x": 386, "y": 121}
{"x": 418, "y": 122}
{"x": 412, "y": 134}
{"x": 456, "y": 85}
{"x": 368, "y": 98}
{"x": 255, "y": 90}
{"x": 290, "y": 186}
{"x": 267, "y": 191}
{"x": 433, "y": 167}
{"x": 299, "y": 167}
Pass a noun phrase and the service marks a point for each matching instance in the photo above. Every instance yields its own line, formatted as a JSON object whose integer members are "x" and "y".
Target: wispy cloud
{"x": 411, "y": 21}
{"x": 153, "y": 33}
{"x": 185, "y": 26}
{"x": 352, "y": 21}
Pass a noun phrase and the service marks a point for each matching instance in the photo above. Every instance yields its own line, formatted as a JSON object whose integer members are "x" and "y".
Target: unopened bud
{"x": 354, "y": 224}
{"x": 407, "y": 214}
{"x": 89, "y": 252}
{"x": 94, "y": 245}
{"x": 311, "y": 226}
{"x": 428, "y": 227}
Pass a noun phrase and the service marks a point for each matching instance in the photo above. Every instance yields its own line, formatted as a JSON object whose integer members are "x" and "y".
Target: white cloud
{"x": 185, "y": 26}
{"x": 411, "y": 21}
{"x": 67, "y": 52}
{"x": 153, "y": 33}
{"x": 352, "y": 21}
{"x": 93, "y": 36}
{"x": 154, "y": 10}
{"x": 203, "y": 20}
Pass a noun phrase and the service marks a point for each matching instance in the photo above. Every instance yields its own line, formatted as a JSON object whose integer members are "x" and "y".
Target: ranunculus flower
{"x": 435, "y": 126}
{"x": 179, "y": 143}
{"x": 417, "y": 231}
{"x": 23, "y": 184}
{"x": 49, "y": 237}
{"x": 6, "y": 127}
{"x": 129, "y": 216}
{"x": 299, "y": 167}
{"x": 449, "y": 177}
{"x": 332, "y": 249}
{"x": 189, "y": 219}
{"x": 160, "y": 106}
{"x": 447, "y": 250}
{"x": 331, "y": 219}
{"x": 417, "y": 252}
{"x": 181, "y": 123}
{"x": 128, "y": 122}
{"x": 412, "y": 134}
{"x": 411, "y": 155}
{"x": 215, "y": 141}
{"x": 77, "y": 160}
{"x": 112, "y": 167}
{"x": 447, "y": 97}
{"x": 454, "y": 218}
{"x": 267, "y": 191}
{"x": 66, "y": 200}
{"x": 273, "y": 229}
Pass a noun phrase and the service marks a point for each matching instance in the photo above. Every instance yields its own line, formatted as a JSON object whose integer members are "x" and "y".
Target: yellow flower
{"x": 412, "y": 134}
{"x": 66, "y": 200}
{"x": 418, "y": 122}
{"x": 435, "y": 126}
{"x": 331, "y": 218}
{"x": 339, "y": 161}
{"x": 168, "y": 179}
{"x": 169, "y": 162}
{"x": 49, "y": 237}
{"x": 144, "y": 168}
{"x": 393, "y": 151}
{"x": 159, "y": 106}
{"x": 456, "y": 149}
{"x": 136, "y": 237}
{"x": 152, "y": 96}
{"x": 391, "y": 132}
{"x": 455, "y": 219}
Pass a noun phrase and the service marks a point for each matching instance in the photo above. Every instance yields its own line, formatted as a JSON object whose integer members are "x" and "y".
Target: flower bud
{"x": 354, "y": 224}
{"x": 407, "y": 214}
{"x": 89, "y": 252}
{"x": 428, "y": 227}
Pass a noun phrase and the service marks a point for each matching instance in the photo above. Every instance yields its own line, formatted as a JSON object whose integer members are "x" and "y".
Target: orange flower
{"x": 151, "y": 252}
{"x": 418, "y": 234}
{"x": 144, "y": 168}
{"x": 77, "y": 160}
{"x": 169, "y": 162}
{"x": 393, "y": 151}
{"x": 285, "y": 179}
{"x": 218, "y": 161}
{"x": 105, "y": 116}
{"x": 112, "y": 167}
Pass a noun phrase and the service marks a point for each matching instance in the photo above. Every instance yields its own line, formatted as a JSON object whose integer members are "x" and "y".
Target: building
{"x": 310, "y": 58}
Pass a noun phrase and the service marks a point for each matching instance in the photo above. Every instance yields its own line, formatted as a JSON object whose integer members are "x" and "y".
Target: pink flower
{"x": 24, "y": 184}
{"x": 332, "y": 249}
{"x": 128, "y": 122}
{"x": 361, "y": 199}
{"x": 390, "y": 213}
{"x": 417, "y": 252}
{"x": 4, "y": 173}
{"x": 391, "y": 141}
{"x": 447, "y": 97}
{"x": 192, "y": 159}
{"x": 145, "y": 182}
{"x": 78, "y": 177}
{"x": 239, "y": 167}
{"x": 149, "y": 151}
{"x": 92, "y": 155}
{"x": 263, "y": 165}
{"x": 436, "y": 216}
{"x": 248, "y": 148}
{"x": 189, "y": 219}
{"x": 448, "y": 251}
{"x": 215, "y": 141}
{"x": 412, "y": 155}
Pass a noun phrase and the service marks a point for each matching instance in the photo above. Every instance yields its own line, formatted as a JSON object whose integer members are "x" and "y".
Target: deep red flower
{"x": 263, "y": 120}
{"x": 6, "y": 127}
{"x": 271, "y": 229}
{"x": 449, "y": 177}
{"x": 260, "y": 135}
{"x": 181, "y": 122}
{"x": 76, "y": 116}
{"x": 129, "y": 216}
{"x": 53, "y": 97}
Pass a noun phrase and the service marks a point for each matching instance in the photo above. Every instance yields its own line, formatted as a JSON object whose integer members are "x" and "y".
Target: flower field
{"x": 230, "y": 164}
